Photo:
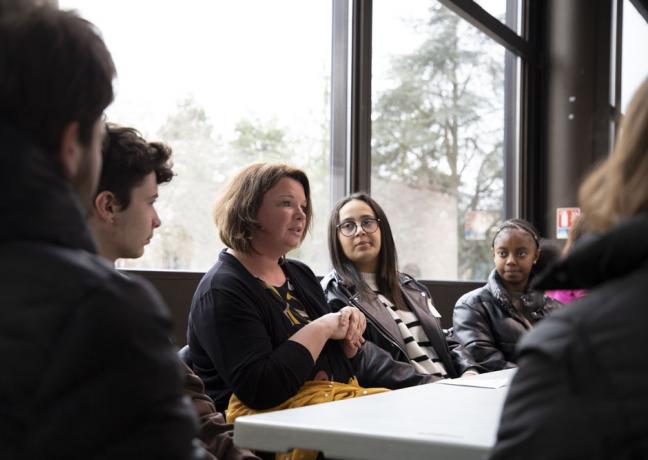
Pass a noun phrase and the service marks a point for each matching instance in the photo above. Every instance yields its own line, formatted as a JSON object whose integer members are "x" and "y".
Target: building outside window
{"x": 438, "y": 127}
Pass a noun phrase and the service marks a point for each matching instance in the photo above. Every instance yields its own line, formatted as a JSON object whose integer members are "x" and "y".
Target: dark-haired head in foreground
{"x": 89, "y": 369}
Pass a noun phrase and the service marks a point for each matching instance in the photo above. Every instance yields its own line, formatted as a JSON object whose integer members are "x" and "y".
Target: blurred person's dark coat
{"x": 88, "y": 370}
{"x": 581, "y": 390}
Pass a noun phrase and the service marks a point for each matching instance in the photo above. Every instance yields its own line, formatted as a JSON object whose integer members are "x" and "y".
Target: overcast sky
{"x": 257, "y": 58}
{"x": 236, "y": 58}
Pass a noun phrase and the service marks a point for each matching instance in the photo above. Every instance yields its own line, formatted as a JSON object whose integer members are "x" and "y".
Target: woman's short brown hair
{"x": 236, "y": 209}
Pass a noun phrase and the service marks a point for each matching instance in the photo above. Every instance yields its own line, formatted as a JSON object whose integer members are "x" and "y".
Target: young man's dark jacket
{"x": 383, "y": 330}
{"x": 581, "y": 390}
{"x": 88, "y": 370}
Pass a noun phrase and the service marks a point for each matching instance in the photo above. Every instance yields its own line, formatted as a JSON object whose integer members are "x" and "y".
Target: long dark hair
{"x": 387, "y": 277}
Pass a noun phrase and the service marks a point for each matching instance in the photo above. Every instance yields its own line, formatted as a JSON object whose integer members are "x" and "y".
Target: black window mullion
{"x": 360, "y": 127}
{"x": 491, "y": 26}
{"x": 339, "y": 140}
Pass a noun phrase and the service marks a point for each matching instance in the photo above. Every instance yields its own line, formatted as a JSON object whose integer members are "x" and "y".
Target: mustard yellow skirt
{"x": 312, "y": 392}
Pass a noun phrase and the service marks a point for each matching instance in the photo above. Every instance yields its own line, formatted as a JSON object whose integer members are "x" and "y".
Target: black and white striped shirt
{"x": 419, "y": 349}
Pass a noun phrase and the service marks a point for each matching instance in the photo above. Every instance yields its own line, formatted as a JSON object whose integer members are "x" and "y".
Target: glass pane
{"x": 437, "y": 137}
{"x": 225, "y": 84}
{"x": 498, "y": 9}
{"x": 634, "y": 64}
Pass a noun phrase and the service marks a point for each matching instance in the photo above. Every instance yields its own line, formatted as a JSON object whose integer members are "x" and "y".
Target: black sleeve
{"x": 552, "y": 407}
{"x": 472, "y": 329}
{"x": 335, "y": 304}
{"x": 238, "y": 342}
{"x": 374, "y": 367}
{"x": 461, "y": 358}
{"x": 541, "y": 419}
{"x": 334, "y": 298}
{"x": 116, "y": 381}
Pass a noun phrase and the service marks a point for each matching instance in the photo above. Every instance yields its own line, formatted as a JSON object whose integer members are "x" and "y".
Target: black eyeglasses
{"x": 349, "y": 227}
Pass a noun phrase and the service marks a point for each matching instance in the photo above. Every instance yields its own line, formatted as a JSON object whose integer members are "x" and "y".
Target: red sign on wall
{"x": 565, "y": 220}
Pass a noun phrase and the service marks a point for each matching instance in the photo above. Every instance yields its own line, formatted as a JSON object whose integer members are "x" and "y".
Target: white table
{"x": 429, "y": 421}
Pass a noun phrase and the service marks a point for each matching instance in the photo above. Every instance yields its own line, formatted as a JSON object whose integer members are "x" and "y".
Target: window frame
{"x": 351, "y": 70}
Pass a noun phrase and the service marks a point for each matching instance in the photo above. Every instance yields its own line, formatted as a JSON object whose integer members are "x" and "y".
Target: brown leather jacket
{"x": 383, "y": 331}
{"x": 215, "y": 433}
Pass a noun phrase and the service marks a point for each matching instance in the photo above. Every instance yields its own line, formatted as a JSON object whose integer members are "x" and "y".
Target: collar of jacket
{"x": 495, "y": 287}
{"x": 368, "y": 304}
{"x": 376, "y": 313}
{"x": 596, "y": 259}
{"x": 36, "y": 202}
{"x": 533, "y": 301}
{"x": 330, "y": 277}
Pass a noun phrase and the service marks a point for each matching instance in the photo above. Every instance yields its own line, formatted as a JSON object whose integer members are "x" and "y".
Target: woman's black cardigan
{"x": 238, "y": 340}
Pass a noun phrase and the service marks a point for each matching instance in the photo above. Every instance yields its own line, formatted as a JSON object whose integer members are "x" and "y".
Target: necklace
{"x": 292, "y": 307}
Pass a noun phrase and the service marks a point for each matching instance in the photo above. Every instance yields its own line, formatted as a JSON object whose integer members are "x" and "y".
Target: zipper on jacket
{"x": 353, "y": 300}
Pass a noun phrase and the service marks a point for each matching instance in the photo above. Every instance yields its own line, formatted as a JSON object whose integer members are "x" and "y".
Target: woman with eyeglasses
{"x": 490, "y": 320}
{"x": 400, "y": 316}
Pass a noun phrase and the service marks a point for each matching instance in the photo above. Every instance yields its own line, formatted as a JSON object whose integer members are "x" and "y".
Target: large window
{"x": 438, "y": 136}
{"x": 634, "y": 63}
{"x": 228, "y": 83}
{"x": 507, "y": 11}
{"x": 225, "y": 84}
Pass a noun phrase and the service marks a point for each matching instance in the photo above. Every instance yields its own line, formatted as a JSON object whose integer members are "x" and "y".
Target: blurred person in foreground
{"x": 580, "y": 390}
{"x": 88, "y": 370}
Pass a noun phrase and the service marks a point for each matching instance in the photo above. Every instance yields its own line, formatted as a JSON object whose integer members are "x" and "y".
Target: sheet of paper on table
{"x": 483, "y": 382}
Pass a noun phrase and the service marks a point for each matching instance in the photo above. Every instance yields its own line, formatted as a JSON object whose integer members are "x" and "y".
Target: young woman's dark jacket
{"x": 581, "y": 389}
{"x": 383, "y": 330}
{"x": 488, "y": 325}
{"x": 238, "y": 340}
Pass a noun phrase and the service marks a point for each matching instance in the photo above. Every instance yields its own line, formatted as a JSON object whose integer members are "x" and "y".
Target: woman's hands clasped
{"x": 347, "y": 325}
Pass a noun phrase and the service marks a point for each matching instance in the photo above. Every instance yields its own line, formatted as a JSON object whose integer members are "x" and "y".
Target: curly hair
{"x": 128, "y": 158}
